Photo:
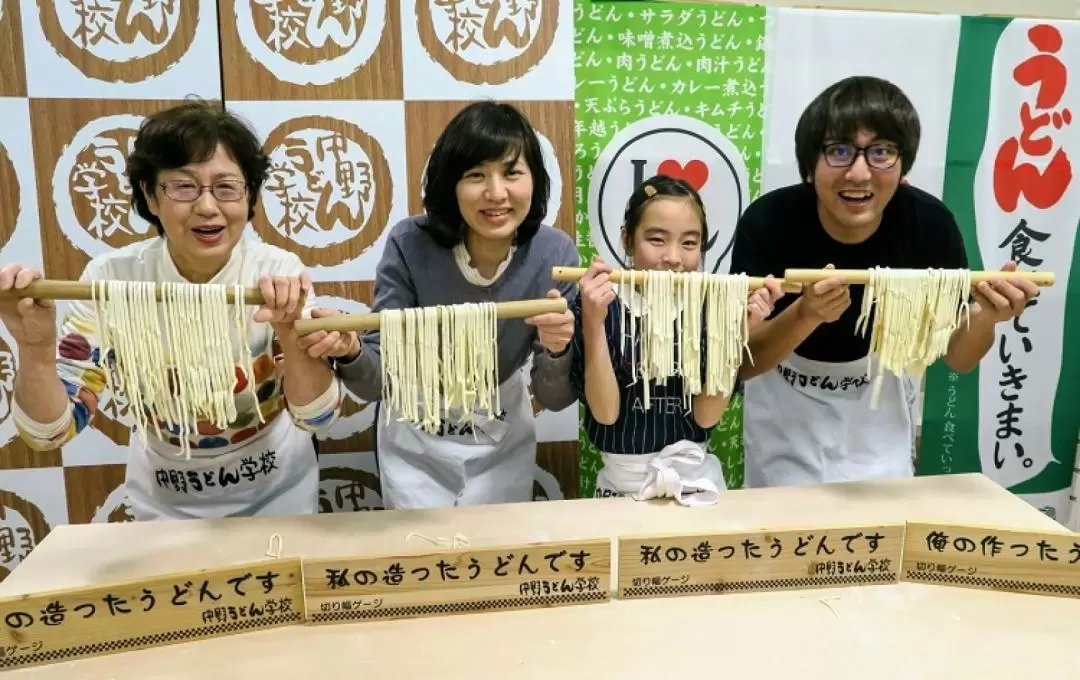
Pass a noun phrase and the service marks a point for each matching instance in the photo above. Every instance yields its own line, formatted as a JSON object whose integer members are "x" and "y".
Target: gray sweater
{"x": 417, "y": 272}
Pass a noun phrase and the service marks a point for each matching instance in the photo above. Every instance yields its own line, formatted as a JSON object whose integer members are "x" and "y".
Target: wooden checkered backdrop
{"x": 348, "y": 101}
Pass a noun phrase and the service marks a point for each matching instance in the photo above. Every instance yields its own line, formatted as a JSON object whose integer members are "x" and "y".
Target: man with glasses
{"x": 807, "y": 393}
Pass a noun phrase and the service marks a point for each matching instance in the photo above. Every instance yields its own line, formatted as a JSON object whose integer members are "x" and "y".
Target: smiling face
{"x": 495, "y": 198}
{"x": 668, "y": 236}
{"x": 853, "y": 187}
{"x": 203, "y": 210}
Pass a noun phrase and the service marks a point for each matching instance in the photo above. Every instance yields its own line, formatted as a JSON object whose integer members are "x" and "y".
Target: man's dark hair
{"x": 481, "y": 132}
{"x": 853, "y": 104}
{"x": 190, "y": 133}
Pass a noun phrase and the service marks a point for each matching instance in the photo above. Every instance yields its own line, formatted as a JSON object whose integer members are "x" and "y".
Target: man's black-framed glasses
{"x": 879, "y": 156}
{"x": 186, "y": 191}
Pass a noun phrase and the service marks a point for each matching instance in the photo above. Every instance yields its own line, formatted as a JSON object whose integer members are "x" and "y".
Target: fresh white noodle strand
{"x": 440, "y": 363}
{"x": 676, "y": 310}
{"x": 915, "y": 313}
{"x": 174, "y": 360}
{"x": 728, "y": 331}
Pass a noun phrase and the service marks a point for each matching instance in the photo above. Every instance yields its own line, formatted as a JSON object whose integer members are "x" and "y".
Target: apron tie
{"x": 661, "y": 476}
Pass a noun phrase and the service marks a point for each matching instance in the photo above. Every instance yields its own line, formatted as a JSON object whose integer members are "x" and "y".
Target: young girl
{"x": 482, "y": 238}
{"x": 661, "y": 451}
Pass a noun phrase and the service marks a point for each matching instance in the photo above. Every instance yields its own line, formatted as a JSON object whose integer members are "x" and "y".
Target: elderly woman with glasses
{"x": 807, "y": 396}
{"x": 195, "y": 174}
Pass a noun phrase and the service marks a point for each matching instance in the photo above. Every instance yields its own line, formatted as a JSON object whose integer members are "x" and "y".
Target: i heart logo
{"x": 686, "y": 148}
{"x": 695, "y": 172}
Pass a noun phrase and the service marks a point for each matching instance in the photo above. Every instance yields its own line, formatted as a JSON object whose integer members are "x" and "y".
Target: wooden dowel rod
{"x": 516, "y": 309}
{"x": 51, "y": 289}
{"x": 862, "y": 276}
{"x": 636, "y": 276}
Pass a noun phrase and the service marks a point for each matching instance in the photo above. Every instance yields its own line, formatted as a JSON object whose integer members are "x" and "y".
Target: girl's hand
{"x": 759, "y": 305}
{"x": 597, "y": 293}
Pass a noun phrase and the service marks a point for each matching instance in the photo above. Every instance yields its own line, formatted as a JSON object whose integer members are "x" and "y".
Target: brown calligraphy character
{"x": 524, "y": 565}
{"x": 179, "y": 592}
{"x": 800, "y": 549}
{"x": 822, "y": 547}
{"x": 394, "y": 574}
{"x": 53, "y": 613}
{"x": 206, "y": 593}
{"x": 551, "y": 559}
{"x": 148, "y": 599}
{"x": 1047, "y": 551}
{"x": 848, "y": 540}
{"x": 937, "y": 540}
{"x": 675, "y": 554}
{"x": 421, "y": 570}
{"x": 963, "y": 544}
{"x": 579, "y": 559}
{"x": 776, "y": 547}
{"x": 116, "y": 604}
{"x": 267, "y": 581}
{"x": 238, "y": 581}
{"x": 650, "y": 554}
{"x": 501, "y": 564}
{"x": 364, "y": 577}
{"x": 19, "y": 620}
{"x": 991, "y": 544}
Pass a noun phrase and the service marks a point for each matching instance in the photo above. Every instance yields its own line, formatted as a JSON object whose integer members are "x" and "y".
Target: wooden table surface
{"x": 907, "y": 631}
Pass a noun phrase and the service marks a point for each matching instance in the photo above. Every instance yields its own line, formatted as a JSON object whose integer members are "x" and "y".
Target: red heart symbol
{"x": 695, "y": 172}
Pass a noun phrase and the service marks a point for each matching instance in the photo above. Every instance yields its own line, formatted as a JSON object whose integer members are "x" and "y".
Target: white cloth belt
{"x": 680, "y": 471}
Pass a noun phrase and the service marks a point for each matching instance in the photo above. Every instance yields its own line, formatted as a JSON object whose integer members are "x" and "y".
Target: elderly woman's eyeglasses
{"x": 186, "y": 191}
{"x": 878, "y": 156}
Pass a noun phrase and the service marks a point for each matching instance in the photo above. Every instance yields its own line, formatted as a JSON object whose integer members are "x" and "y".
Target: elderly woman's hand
{"x": 283, "y": 300}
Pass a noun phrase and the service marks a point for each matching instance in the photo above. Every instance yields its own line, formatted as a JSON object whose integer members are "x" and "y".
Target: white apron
{"x": 493, "y": 461}
{"x": 276, "y": 473}
{"x": 685, "y": 471}
{"x": 810, "y": 422}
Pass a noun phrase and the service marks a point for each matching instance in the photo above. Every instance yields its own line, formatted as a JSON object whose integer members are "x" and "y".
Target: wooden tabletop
{"x": 902, "y": 631}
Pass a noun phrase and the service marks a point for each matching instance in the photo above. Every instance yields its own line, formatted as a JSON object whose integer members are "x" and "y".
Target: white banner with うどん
{"x": 1027, "y": 206}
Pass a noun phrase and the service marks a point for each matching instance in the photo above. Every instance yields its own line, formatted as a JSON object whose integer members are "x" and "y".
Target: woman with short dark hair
{"x": 195, "y": 174}
{"x": 482, "y": 238}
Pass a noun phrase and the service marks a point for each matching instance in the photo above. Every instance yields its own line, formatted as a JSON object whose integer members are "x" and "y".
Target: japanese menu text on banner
{"x": 672, "y": 89}
{"x": 1011, "y": 181}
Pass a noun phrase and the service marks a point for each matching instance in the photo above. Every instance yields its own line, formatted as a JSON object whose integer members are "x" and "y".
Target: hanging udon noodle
{"x": 440, "y": 363}
{"x": 174, "y": 360}
{"x": 671, "y": 309}
{"x": 915, "y": 315}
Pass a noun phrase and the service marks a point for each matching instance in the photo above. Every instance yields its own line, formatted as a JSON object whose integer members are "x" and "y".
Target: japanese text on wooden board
{"x": 658, "y": 566}
{"x": 515, "y": 577}
{"x": 88, "y": 622}
{"x": 993, "y": 558}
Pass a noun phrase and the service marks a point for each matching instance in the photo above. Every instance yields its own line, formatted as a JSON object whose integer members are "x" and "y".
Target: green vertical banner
{"x": 675, "y": 89}
{"x": 1011, "y": 179}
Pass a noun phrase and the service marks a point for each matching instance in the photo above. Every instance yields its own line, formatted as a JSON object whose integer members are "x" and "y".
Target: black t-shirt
{"x": 781, "y": 230}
